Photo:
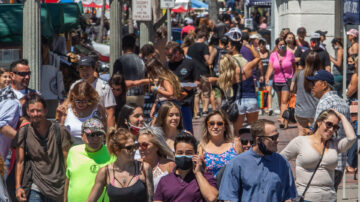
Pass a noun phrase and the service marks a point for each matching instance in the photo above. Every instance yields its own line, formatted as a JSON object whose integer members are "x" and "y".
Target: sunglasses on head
{"x": 213, "y": 123}
{"x": 23, "y": 73}
{"x": 329, "y": 125}
{"x": 245, "y": 142}
{"x": 143, "y": 145}
{"x": 131, "y": 147}
{"x": 97, "y": 134}
{"x": 273, "y": 138}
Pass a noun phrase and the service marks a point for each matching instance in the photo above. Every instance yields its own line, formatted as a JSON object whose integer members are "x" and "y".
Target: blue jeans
{"x": 186, "y": 113}
{"x": 36, "y": 196}
{"x": 352, "y": 159}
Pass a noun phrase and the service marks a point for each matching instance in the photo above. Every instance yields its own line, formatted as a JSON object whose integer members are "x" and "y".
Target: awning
{"x": 351, "y": 12}
{"x": 196, "y": 4}
{"x": 179, "y": 9}
{"x": 11, "y": 20}
{"x": 258, "y": 3}
{"x": 95, "y": 3}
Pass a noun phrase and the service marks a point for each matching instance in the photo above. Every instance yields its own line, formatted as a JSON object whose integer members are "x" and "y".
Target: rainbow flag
{"x": 262, "y": 99}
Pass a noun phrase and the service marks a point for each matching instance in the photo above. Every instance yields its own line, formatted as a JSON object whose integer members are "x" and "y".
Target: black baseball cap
{"x": 322, "y": 33}
{"x": 322, "y": 75}
{"x": 301, "y": 30}
{"x": 86, "y": 61}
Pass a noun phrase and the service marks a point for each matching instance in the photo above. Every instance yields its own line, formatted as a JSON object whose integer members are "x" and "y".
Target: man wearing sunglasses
{"x": 85, "y": 160}
{"x": 259, "y": 174}
{"x": 245, "y": 138}
{"x": 323, "y": 89}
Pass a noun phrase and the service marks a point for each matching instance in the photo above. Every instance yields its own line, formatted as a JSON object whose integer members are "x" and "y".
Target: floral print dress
{"x": 214, "y": 162}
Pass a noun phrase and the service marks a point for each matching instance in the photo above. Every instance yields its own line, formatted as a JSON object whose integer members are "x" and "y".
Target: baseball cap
{"x": 234, "y": 34}
{"x": 315, "y": 36}
{"x": 301, "y": 30}
{"x": 322, "y": 75}
{"x": 322, "y": 33}
{"x": 255, "y": 36}
{"x": 353, "y": 32}
{"x": 93, "y": 125}
{"x": 86, "y": 61}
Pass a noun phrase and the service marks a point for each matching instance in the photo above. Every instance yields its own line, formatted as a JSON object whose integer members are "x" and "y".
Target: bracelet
{"x": 17, "y": 189}
{"x": 156, "y": 87}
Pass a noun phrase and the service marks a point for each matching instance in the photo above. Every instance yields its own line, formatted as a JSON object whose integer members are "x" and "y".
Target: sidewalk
{"x": 285, "y": 137}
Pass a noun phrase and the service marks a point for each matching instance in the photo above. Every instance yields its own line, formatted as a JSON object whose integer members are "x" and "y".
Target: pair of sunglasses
{"x": 143, "y": 145}
{"x": 81, "y": 101}
{"x": 23, "y": 74}
{"x": 218, "y": 123}
{"x": 131, "y": 147}
{"x": 245, "y": 142}
{"x": 94, "y": 134}
{"x": 329, "y": 125}
{"x": 273, "y": 138}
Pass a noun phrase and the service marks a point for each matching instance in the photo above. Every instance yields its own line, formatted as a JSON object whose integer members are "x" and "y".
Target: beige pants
{"x": 139, "y": 100}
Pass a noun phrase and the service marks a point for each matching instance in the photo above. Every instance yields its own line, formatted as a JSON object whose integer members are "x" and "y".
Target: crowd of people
{"x": 111, "y": 142}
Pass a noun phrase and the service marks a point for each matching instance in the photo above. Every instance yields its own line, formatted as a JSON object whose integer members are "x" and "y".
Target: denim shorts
{"x": 247, "y": 105}
{"x": 280, "y": 87}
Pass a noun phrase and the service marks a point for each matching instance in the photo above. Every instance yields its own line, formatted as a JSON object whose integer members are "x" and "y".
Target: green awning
{"x": 11, "y": 20}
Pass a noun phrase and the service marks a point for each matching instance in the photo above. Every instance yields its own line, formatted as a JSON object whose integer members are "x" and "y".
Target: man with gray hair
{"x": 322, "y": 89}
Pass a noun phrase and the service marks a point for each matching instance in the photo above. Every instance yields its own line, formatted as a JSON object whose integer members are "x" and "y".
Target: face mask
{"x": 314, "y": 44}
{"x": 263, "y": 148}
{"x": 282, "y": 47}
{"x": 134, "y": 129}
{"x": 183, "y": 162}
{"x": 336, "y": 47}
{"x": 351, "y": 66}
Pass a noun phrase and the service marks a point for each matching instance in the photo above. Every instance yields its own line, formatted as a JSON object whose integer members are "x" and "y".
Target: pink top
{"x": 287, "y": 61}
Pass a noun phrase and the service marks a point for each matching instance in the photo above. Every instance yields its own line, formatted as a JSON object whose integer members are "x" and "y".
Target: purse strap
{"x": 241, "y": 71}
{"x": 312, "y": 176}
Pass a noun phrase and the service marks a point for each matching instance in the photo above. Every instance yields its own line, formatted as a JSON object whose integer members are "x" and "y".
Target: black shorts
{"x": 281, "y": 87}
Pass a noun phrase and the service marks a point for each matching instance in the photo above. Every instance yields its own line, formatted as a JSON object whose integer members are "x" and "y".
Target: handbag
{"x": 302, "y": 197}
{"x": 289, "y": 113}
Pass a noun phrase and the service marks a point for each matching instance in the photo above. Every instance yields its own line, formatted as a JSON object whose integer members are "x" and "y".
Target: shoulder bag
{"x": 302, "y": 197}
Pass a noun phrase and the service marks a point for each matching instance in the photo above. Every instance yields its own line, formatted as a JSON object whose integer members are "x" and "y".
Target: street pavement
{"x": 285, "y": 137}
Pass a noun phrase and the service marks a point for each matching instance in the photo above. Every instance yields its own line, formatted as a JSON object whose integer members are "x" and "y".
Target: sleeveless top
{"x": 244, "y": 88}
{"x": 157, "y": 175}
{"x": 336, "y": 70}
{"x": 214, "y": 162}
{"x": 135, "y": 193}
{"x": 74, "y": 123}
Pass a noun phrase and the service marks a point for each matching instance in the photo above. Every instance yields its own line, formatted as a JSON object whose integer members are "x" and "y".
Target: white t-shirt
{"x": 104, "y": 90}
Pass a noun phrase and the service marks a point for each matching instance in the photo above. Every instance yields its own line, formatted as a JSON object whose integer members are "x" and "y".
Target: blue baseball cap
{"x": 322, "y": 75}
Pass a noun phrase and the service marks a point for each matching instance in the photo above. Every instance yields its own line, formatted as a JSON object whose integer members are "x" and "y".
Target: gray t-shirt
{"x": 103, "y": 89}
{"x": 132, "y": 67}
{"x": 306, "y": 103}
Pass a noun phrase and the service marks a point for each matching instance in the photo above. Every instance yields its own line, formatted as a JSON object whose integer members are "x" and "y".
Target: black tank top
{"x": 133, "y": 193}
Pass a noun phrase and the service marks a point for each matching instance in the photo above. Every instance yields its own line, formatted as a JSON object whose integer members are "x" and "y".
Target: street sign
{"x": 167, "y": 4}
{"x": 141, "y": 10}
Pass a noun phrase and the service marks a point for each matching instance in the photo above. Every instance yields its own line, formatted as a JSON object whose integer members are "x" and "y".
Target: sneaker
{"x": 197, "y": 116}
{"x": 270, "y": 112}
{"x": 205, "y": 113}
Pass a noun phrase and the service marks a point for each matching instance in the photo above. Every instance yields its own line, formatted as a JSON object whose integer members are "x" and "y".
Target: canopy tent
{"x": 95, "y": 3}
{"x": 196, "y": 4}
{"x": 258, "y": 3}
{"x": 55, "y": 18}
{"x": 179, "y": 9}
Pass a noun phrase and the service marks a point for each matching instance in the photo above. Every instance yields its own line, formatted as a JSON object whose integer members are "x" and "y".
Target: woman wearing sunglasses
{"x": 308, "y": 151}
{"x": 126, "y": 179}
{"x": 155, "y": 151}
{"x": 217, "y": 145}
{"x": 82, "y": 104}
{"x": 170, "y": 120}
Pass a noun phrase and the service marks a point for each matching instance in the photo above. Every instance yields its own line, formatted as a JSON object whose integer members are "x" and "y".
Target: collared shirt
{"x": 10, "y": 112}
{"x": 251, "y": 177}
{"x": 332, "y": 100}
{"x": 172, "y": 188}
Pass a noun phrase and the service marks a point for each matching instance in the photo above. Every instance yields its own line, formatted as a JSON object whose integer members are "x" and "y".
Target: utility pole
{"x": 32, "y": 40}
{"x": 116, "y": 7}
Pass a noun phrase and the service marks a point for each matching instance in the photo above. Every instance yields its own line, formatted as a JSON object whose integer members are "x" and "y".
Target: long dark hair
{"x": 312, "y": 65}
{"x": 119, "y": 80}
{"x": 125, "y": 113}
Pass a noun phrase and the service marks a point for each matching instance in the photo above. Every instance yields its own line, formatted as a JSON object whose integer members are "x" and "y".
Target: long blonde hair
{"x": 157, "y": 137}
{"x": 227, "y": 69}
{"x": 155, "y": 70}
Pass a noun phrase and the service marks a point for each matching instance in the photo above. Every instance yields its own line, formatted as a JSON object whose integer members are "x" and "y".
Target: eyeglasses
{"x": 94, "y": 134}
{"x": 81, "y": 101}
{"x": 218, "y": 123}
{"x": 143, "y": 145}
{"x": 246, "y": 142}
{"x": 23, "y": 74}
{"x": 329, "y": 125}
{"x": 117, "y": 89}
{"x": 131, "y": 147}
{"x": 273, "y": 138}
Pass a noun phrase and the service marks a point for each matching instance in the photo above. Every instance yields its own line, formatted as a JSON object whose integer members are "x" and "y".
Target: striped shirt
{"x": 332, "y": 100}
